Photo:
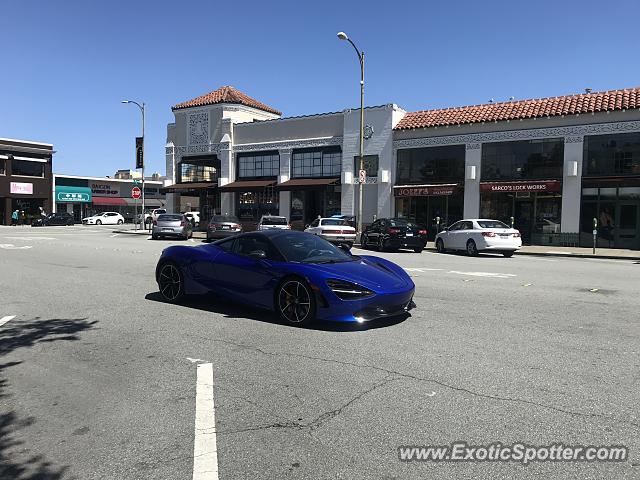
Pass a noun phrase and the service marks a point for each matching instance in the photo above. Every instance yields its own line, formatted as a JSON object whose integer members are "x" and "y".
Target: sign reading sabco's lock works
{"x": 533, "y": 186}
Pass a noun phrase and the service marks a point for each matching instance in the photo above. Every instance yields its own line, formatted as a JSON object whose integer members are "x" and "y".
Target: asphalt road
{"x": 98, "y": 376}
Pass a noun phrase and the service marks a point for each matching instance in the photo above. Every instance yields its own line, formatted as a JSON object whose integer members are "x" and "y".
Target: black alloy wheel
{"x": 472, "y": 249}
{"x": 295, "y": 302}
{"x": 171, "y": 282}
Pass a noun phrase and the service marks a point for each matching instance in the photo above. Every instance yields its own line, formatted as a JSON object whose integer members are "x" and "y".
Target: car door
{"x": 244, "y": 278}
{"x": 373, "y": 232}
{"x": 465, "y": 233}
{"x": 449, "y": 236}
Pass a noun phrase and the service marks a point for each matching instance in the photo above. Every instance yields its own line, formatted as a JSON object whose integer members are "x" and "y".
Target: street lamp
{"x": 343, "y": 36}
{"x": 141, "y": 107}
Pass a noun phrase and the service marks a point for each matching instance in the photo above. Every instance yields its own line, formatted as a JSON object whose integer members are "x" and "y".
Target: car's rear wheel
{"x": 418, "y": 249}
{"x": 380, "y": 246}
{"x": 472, "y": 249}
{"x": 440, "y": 245}
{"x": 98, "y": 222}
{"x": 508, "y": 254}
{"x": 295, "y": 302}
{"x": 171, "y": 282}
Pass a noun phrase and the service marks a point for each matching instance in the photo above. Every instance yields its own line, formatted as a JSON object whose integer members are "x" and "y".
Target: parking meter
{"x": 512, "y": 222}
{"x": 437, "y": 224}
{"x": 595, "y": 234}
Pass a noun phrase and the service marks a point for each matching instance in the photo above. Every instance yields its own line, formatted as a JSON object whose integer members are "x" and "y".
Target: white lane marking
{"x": 205, "y": 453}
{"x": 149, "y": 237}
{"x": 11, "y": 246}
{"x": 484, "y": 274}
{"x": 194, "y": 360}
{"x": 432, "y": 394}
{"x": 115, "y": 235}
{"x": 4, "y": 320}
{"x": 31, "y": 238}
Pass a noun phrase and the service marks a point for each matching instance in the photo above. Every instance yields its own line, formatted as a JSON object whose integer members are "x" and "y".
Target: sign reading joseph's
{"x": 424, "y": 190}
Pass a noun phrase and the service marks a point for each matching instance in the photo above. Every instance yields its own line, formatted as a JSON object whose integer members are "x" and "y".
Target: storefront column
{"x": 571, "y": 184}
{"x": 285, "y": 175}
{"x": 472, "y": 164}
{"x": 227, "y": 168}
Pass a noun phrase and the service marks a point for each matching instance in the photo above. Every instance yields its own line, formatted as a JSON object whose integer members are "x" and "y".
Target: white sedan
{"x": 478, "y": 235}
{"x": 105, "y": 218}
{"x": 334, "y": 230}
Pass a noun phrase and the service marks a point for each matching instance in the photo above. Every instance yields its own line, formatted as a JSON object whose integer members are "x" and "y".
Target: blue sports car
{"x": 298, "y": 275}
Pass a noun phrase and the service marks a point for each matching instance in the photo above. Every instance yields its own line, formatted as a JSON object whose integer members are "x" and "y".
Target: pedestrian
{"x": 23, "y": 218}
{"x": 14, "y": 218}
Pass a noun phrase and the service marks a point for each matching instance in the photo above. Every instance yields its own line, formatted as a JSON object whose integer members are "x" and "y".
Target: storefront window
{"x": 612, "y": 154}
{"x": 2, "y": 166}
{"x": 525, "y": 160}
{"x": 616, "y": 212}
{"x": 254, "y": 165}
{"x": 27, "y": 168}
{"x": 252, "y": 205}
{"x": 430, "y": 165}
{"x": 433, "y": 212}
{"x": 323, "y": 162}
{"x": 197, "y": 173}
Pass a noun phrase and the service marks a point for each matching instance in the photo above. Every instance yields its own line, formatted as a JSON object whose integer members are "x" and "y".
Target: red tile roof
{"x": 522, "y": 109}
{"x": 226, "y": 94}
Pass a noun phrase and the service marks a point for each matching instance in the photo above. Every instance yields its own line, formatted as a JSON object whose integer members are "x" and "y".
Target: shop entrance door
{"x": 523, "y": 218}
{"x": 627, "y": 223}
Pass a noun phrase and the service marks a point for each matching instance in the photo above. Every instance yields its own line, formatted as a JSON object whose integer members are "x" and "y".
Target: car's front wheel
{"x": 98, "y": 222}
{"x": 508, "y": 253}
{"x": 440, "y": 245}
{"x": 171, "y": 282}
{"x": 120, "y": 222}
{"x": 295, "y": 302}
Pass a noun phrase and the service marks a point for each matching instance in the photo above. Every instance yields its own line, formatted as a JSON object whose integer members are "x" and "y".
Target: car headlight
{"x": 348, "y": 291}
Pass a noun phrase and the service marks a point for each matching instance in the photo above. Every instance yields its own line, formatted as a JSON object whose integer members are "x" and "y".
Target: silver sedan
{"x": 171, "y": 225}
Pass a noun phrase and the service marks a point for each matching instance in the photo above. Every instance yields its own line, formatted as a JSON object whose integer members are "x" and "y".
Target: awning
{"x": 247, "y": 185}
{"x": 304, "y": 183}
{"x": 178, "y": 187}
{"x": 110, "y": 201}
{"x": 425, "y": 190}
{"x": 148, "y": 202}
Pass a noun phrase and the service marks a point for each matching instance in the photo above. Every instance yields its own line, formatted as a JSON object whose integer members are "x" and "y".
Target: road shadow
{"x": 214, "y": 304}
{"x": 24, "y": 334}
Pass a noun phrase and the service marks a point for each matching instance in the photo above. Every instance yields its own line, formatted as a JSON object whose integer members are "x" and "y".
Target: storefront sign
{"x": 540, "y": 186}
{"x": 21, "y": 188}
{"x": 73, "y": 194}
{"x": 103, "y": 189}
{"x": 425, "y": 190}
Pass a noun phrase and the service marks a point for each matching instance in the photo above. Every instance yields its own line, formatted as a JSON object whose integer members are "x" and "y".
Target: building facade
{"x": 85, "y": 196}
{"x": 25, "y": 178}
{"x": 550, "y": 167}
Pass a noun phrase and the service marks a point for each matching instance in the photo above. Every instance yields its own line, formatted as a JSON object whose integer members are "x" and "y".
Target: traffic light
{"x": 139, "y": 152}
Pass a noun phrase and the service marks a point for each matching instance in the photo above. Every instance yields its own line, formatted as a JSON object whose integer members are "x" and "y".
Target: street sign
{"x": 136, "y": 192}
{"x": 362, "y": 176}
{"x": 139, "y": 152}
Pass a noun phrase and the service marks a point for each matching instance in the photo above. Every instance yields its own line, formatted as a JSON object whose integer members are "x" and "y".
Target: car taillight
{"x": 393, "y": 231}
{"x": 516, "y": 235}
{"x": 422, "y": 232}
{"x": 488, "y": 234}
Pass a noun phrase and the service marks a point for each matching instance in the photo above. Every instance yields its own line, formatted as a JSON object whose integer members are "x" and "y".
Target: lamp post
{"x": 141, "y": 107}
{"x": 343, "y": 36}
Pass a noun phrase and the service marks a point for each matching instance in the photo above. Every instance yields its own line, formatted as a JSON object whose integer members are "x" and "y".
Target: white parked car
{"x": 105, "y": 218}
{"x": 478, "y": 235}
{"x": 149, "y": 217}
{"x": 273, "y": 222}
{"x": 334, "y": 230}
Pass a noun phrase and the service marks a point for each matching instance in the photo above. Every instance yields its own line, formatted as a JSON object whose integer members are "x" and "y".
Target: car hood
{"x": 370, "y": 272}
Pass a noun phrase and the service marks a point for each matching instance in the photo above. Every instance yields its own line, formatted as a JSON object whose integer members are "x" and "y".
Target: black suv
{"x": 394, "y": 234}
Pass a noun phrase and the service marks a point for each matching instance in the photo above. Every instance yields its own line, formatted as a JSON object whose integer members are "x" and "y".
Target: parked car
{"x": 350, "y": 219}
{"x": 273, "y": 222}
{"x": 394, "y": 234}
{"x": 222, "y": 226}
{"x": 59, "y": 218}
{"x": 105, "y": 218}
{"x": 299, "y": 276}
{"x": 193, "y": 217}
{"x": 478, "y": 235}
{"x": 171, "y": 225}
{"x": 334, "y": 230}
{"x": 151, "y": 215}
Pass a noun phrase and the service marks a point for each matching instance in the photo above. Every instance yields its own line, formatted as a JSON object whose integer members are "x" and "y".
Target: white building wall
{"x": 572, "y": 184}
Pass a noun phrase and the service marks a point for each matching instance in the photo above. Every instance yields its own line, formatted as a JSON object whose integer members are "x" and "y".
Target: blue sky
{"x": 67, "y": 64}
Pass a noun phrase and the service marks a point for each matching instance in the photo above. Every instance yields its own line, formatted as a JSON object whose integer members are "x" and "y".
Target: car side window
{"x": 315, "y": 223}
{"x": 251, "y": 243}
{"x": 455, "y": 226}
{"x": 226, "y": 245}
{"x": 468, "y": 225}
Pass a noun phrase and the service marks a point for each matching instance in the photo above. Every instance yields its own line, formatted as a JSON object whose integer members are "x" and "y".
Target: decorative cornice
{"x": 512, "y": 135}
{"x": 473, "y": 146}
{"x": 578, "y": 139}
{"x": 211, "y": 148}
{"x": 289, "y": 144}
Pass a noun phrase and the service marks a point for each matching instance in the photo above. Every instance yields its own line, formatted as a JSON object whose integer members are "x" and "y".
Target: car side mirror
{"x": 258, "y": 255}
{"x": 345, "y": 247}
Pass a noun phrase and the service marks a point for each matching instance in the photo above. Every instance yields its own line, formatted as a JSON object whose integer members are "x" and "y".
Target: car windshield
{"x": 308, "y": 248}
{"x": 170, "y": 218}
{"x": 274, "y": 221}
{"x": 402, "y": 222}
{"x": 334, "y": 222}
{"x": 224, "y": 219}
{"x": 491, "y": 224}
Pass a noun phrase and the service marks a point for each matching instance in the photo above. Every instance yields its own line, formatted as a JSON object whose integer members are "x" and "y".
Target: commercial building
{"x": 84, "y": 196}
{"x": 548, "y": 166}
{"x": 25, "y": 178}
